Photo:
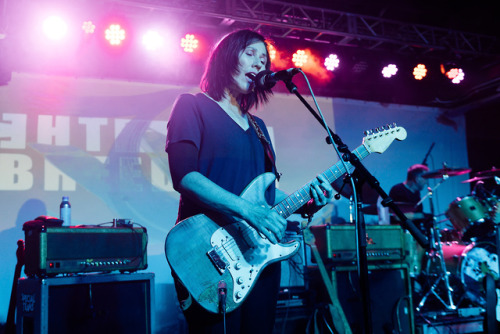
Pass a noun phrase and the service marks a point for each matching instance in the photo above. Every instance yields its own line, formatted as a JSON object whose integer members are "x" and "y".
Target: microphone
{"x": 427, "y": 155}
{"x": 222, "y": 292}
{"x": 267, "y": 79}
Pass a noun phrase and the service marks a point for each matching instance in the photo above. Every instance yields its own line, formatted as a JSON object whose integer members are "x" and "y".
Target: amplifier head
{"x": 338, "y": 242}
{"x": 56, "y": 250}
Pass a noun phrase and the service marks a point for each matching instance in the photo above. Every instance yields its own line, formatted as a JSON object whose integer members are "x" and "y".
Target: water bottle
{"x": 65, "y": 211}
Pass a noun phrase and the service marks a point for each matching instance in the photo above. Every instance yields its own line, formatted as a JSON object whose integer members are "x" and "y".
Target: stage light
{"x": 115, "y": 34}
{"x": 332, "y": 62}
{"x": 299, "y": 58}
{"x": 419, "y": 72}
{"x": 88, "y": 27}
{"x": 152, "y": 40}
{"x": 272, "y": 51}
{"x": 458, "y": 75}
{"x": 189, "y": 43}
{"x": 389, "y": 71}
{"x": 54, "y": 28}
{"x": 452, "y": 72}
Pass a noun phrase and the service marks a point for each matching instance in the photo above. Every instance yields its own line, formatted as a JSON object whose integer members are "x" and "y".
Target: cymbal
{"x": 478, "y": 178}
{"x": 436, "y": 174}
{"x": 492, "y": 171}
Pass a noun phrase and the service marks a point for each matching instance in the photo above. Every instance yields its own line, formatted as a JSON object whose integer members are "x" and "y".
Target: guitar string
{"x": 231, "y": 244}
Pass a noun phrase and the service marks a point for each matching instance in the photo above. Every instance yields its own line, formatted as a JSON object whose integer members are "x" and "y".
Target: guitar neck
{"x": 296, "y": 200}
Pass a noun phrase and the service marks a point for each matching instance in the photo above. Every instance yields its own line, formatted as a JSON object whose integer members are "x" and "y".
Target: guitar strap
{"x": 270, "y": 162}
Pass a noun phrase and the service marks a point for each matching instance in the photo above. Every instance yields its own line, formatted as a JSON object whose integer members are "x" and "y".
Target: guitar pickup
{"x": 218, "y": 259}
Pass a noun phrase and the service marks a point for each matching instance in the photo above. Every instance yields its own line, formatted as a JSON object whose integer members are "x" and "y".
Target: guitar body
{"x": 203, "y": 253}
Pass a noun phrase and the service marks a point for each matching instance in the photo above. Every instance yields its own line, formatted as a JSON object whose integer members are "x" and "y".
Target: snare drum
{"x": 466, "y": 211}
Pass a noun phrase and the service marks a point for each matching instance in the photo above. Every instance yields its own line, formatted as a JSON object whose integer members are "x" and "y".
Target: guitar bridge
{"x": 218, "y": 259}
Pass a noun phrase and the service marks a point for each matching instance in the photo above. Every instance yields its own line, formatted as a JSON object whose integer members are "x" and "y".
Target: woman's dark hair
{"x": 223, "y": 64}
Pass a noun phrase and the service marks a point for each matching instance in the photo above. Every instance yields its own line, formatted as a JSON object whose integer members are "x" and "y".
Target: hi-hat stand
{"x": 435, "y": 252}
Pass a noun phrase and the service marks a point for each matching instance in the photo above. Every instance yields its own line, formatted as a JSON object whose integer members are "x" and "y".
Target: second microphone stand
{"x": 362, "y": 175}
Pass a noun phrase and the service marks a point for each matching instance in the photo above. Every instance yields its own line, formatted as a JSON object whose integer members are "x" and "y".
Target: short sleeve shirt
{"x": 227, "y": 155}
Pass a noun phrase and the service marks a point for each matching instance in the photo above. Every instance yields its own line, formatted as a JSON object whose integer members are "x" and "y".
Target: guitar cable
{"x": 222, "y": 291}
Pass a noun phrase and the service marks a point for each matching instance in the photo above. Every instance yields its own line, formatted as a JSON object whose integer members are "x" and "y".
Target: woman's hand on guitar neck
{"x": 266, "y": 221}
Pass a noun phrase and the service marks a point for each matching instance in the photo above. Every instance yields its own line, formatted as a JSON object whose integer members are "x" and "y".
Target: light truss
{"x": 287, "y": 20}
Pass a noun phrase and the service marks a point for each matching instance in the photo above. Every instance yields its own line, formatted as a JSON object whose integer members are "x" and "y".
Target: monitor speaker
{"x": 390, "y": 298}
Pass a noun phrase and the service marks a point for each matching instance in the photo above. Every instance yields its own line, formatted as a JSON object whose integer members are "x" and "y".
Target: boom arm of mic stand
{"x": 386, "y": 200}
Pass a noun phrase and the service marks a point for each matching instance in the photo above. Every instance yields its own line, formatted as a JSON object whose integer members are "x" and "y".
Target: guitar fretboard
{"x": 296, "y": 200}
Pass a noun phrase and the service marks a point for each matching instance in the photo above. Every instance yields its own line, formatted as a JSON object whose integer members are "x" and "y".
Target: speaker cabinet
{"x": 92, "y": 303}
{"x": 390, "y": 298}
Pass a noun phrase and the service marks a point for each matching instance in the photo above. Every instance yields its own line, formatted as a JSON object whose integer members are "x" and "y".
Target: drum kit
{"x": 458, "y": 259}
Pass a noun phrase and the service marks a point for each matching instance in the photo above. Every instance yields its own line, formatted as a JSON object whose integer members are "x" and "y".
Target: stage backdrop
{"x": 101, "y": 142}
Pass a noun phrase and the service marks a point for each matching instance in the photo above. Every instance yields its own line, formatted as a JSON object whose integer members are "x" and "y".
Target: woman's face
{"x": 252, "y": 60}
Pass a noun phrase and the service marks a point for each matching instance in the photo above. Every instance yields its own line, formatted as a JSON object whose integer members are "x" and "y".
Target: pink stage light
{"x": 456, "y": 75}
{"x": 152, "y": 40}
{"x": 452, "y": 72}
{"x": 332, "y": 62}
{"x": 189, "y": 43}
{"x": 419, "y": 72}
{"x": 299, "y": 58}
{"x": 115, "y": 34}
{"x": 389, "y": 71}
{"x": 55, "y": 28}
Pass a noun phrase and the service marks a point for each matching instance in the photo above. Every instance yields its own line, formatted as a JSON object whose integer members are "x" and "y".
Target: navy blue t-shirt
{"x": 227, "y": 155}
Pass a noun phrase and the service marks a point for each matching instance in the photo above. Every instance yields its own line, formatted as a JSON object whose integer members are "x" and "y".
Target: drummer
{"x": 406, "y": 196}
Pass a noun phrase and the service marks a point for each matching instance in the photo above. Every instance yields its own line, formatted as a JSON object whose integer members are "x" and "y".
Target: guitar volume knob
{"x": 239, "y": 280}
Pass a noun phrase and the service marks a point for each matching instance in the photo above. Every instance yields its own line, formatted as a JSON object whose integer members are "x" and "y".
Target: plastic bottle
{"x": 65, "y": 211}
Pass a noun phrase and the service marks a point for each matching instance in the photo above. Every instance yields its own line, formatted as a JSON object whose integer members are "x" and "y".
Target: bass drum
{"x": 478, "y": 260}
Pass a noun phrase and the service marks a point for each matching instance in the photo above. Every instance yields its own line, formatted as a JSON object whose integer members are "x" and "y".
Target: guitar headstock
{"x": 379, "y": 139}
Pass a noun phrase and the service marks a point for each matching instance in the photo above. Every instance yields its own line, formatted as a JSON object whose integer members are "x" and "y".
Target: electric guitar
{"x": 206, "y": 251}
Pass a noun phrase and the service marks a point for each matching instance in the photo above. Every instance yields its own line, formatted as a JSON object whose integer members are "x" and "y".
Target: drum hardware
{"x": 436, "y": 252}
{"x": 444, "y": 177}
{"x": 442, "y": 274}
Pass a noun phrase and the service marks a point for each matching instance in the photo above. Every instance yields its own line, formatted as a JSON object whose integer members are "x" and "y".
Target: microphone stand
{"x": 362, "y": 175}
